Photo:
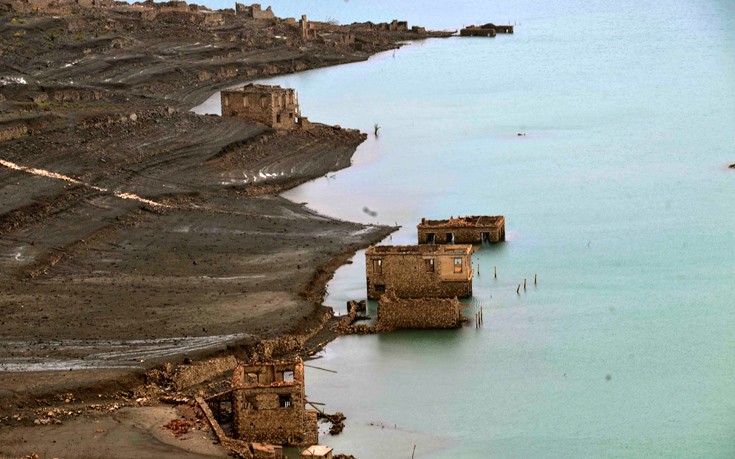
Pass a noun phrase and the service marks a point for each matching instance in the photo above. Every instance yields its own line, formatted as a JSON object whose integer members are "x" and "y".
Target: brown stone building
{"x": 273, "y": 106}
{"x": 485, "y": 30}
{"x": 462, "y": 230}
{"x": 317, "y": 452}
{"x": 419, "y": 271}
{"x": 268, "y": 404}
{"x": 308, "y": 28}
{"x": 254, "y": 11}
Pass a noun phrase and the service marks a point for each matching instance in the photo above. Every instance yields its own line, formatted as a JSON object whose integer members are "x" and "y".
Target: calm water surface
{"x": 618, "y": 197}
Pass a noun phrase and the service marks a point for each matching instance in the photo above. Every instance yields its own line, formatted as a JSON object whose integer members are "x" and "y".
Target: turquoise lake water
{"x": 618, "y": 197}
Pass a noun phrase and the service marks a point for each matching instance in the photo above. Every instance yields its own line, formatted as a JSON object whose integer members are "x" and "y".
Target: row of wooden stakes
{"x": 518, "y": 290}
{"x": 535, "y": 282}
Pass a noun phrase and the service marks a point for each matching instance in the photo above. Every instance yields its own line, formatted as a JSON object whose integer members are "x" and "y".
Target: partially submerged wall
{"x": 462, "y": 230}
{"x": 394, "y": 312}
{"x": 461, "y": 235}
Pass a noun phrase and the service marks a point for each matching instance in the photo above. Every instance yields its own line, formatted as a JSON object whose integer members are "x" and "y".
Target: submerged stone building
{"x": 485, "y": 30}
{"x": 419, "y": 271}
{"x": 462, "y": 230}
{"x": 273, "y": 106}
{"x": 269, "y": 404}
{"x": 395, "y": 313}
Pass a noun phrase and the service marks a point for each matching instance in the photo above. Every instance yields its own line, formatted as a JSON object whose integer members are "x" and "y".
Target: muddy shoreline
{"x": 134, "y": 233}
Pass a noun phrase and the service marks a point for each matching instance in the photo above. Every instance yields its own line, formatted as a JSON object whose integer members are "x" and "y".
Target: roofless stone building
{"x": 462, "y": 230}
{"x": 419, "y": 271}
{"x": 268, "y": 404}
{"x": 273, "y": 106}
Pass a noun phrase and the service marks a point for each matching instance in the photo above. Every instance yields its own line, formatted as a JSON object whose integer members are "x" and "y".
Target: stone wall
{"x": 269, "y": 349}
{"x": 461, "y": 235}
{"x": 67, "y": 95}
{"x": 394, "y": 313}
{"x": 9, "y": 131}
{"x": 462, "y": 230}
{"x": 275, "y": 107}
{"x": 199, "y": 372}
{"x": 473, "y": 31}
{"x": 254, "y": 11}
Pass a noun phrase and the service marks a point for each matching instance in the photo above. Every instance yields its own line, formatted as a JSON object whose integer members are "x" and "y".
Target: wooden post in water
{"x": 535, "y": 279}
{"x": 524, "y": 283}
{"x": 495, "y": 271}
{"x": 478, "y": 269}
{"x": 518, "y": 290}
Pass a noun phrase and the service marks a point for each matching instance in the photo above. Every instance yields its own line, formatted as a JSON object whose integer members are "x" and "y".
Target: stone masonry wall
{"x": 461, "y": 235}
{"x": 262, "y": 107}
{"x": 418, "y": 313}
{"x": 191, "y": 375}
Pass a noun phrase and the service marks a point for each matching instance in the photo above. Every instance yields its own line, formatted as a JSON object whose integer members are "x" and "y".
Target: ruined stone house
{"x": 308, "y": 29}
{"x": 269, "y": 404}
{"x": 273, "y": 106}
{"x": 462, "y": 230}
{"x": 254, "y": 11}
{"x": 419, "y": 271}
{"x": 394, "y": 26}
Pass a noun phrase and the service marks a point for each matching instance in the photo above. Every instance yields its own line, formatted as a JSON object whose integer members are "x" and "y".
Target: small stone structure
{"x": 273, "y": 106}
{"x": 12, "y": 130}
{"x": 308, "y": 29}
{"x": 268, "y": 404}
{"x": 419, "y": 271}
{"x": 474, "y": 31}
{"x": 394, "y": 26}
{"x": 486, "y": 30}
{"x": 254, "y": 11}
{"x": 462, "y": 230}
{"x": 317, "y": 452}
{"x": 394, "y": 312}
